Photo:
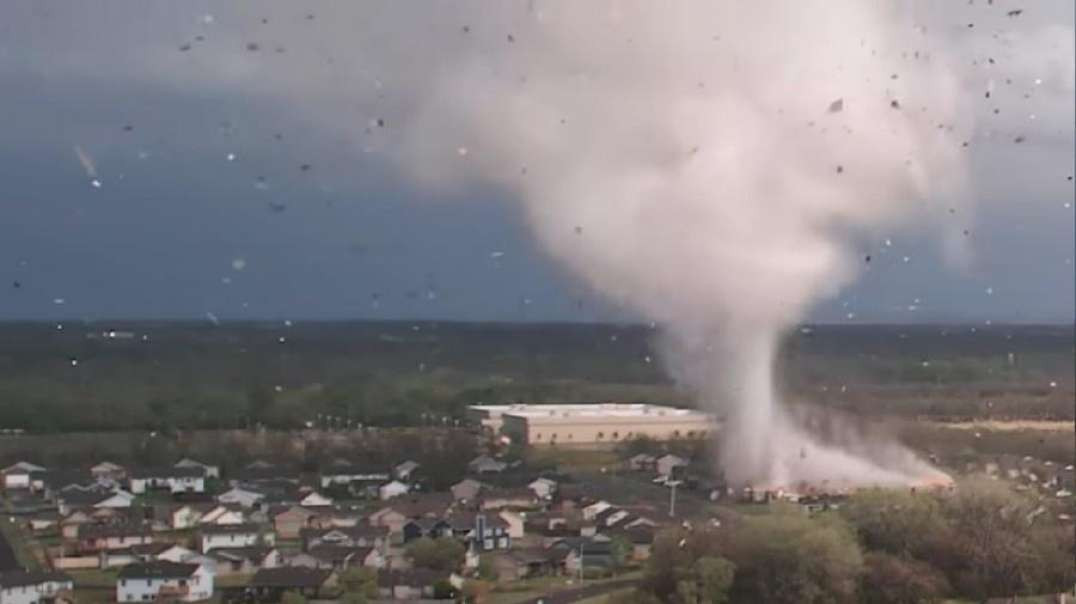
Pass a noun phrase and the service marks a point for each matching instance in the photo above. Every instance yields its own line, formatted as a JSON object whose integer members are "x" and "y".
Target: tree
{"x": 360, "y": 581}
{"x": 292, "y": 597}
{"x": 897, "y": 522}
{"x": 714, "y": 577}
{"x": 889, "y": 579}
{"x": 788, "y": 557}
{"x": 992, "y": 525}
{"x": 486, "y": 570}
{"x": 436, "y": 554}
{"x": 620, "y": 549}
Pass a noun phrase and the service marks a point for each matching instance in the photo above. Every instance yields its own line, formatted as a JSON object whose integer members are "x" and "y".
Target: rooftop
{"x": 158, "y": 569}
{"x": 589, "y": 410}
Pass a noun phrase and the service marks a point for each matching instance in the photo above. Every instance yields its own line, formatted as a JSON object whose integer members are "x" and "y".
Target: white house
{"x": 17, "y": 476}
{"x": 667, "y": 464}
{"x": 404, "y": 470}
{"x": 162, "y": 579}
{"x": 209, "y": 471}
{"x": 543, "y": 488}
{"x": 21, "y": 587}
{"x": 392, "y": 489}
{"x": 344, "y": 475}
{"x": 108, "y": 471}
{"x": 222, "y": 514}
{"x": 315, "y": 500}
{"x": 244, "y": 496}
{"x": 234, "y": 535}
{"x": 484, "y": 464}
{"x": 592, "y": 510}
{"x": 175, "y": 480}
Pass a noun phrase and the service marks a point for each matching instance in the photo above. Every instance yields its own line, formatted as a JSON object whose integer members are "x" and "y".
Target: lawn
{"x": 519, "y": 591}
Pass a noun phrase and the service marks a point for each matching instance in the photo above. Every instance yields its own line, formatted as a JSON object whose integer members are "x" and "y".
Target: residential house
{"x": 642, "y": 540}
{"x": 543, "y": 488}
{"x": 592, "y": 511}
{"x": 431, "y": 528}
{"x": 391, "y": 489}
{"x": 44, "y": 522}
{"x": 669, "y": 465}
{"x": 106, "y": 471}
{"x": 245, "y": 496}
{"x": 495, "y": 499}
{"x": 244, "y": 560}
{"x": 178, "y": 517}
{"x": 208, "y": 470}
{"x": 586, "y": 553}
{"x": 466, "y": 489}
{"x": 344, "y": 475}
{"x": 269, "y": 584}
{"x": 172, "y": 479}
{"x": 485, "y": 532}
{"x": 160, "y": 579}
{"x": 356, "y": 536}
{"x": 293, "y": 519}
{"x": 413, "y": 584}
{"x": 75, "y": 497}
{"x": 25, "y": 587}
{"x": 338, "y": 557}
{"x": 17, "y": 475}
{"x": 136, "y": 553}
{"x": 234, "y": 535}
{"x": 105, "y": 537}
{"x": 520, "y": 564}
{"x": 405, "y": 470}
{"x": 396, "y": 514}
{"x": 515, "y": 522}
{"x": 643, "y": 462}
{"x": 314, "y": 499}
{"x": 484, "y": 464}
{"x": 223, "y": 513}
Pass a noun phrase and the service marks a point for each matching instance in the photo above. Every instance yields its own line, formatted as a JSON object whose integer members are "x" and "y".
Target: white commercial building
{"x": 591, "y": 423}
{"x": 162, "y": 579}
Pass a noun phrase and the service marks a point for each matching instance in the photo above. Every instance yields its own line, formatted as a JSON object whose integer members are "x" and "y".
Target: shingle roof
{"x": 219, "y": 529}
{"x": 254, "y": 553}
{"x": 415, "y": 577}
{"x": 289, "y": 576}
{"x": 20, "y": 578}
{"x": 157, "y": 569}
{"x": 339, "y": 553}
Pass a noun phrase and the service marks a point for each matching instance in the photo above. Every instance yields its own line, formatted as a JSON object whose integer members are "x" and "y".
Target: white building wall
{"x": 32, "y": 594}
{"x": 200, "y": 587}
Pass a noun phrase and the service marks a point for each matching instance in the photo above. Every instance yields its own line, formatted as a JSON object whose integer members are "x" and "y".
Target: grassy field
{"x": 195, "y": 375}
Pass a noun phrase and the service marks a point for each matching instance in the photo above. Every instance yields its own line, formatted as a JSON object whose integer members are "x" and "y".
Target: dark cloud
{"x": 159, "y": 237}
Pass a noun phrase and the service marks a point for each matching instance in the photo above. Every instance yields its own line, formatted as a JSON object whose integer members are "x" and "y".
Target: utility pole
{"x": 672, "y": 497}
{"x": 581, "y": 564}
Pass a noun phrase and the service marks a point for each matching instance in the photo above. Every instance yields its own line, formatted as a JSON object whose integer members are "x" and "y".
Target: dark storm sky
{"x": 204, "y": 206}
